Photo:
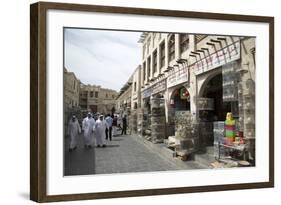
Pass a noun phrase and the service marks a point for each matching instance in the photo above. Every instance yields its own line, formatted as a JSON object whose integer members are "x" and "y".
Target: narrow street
{"x": 123, "y": 154}
{"x": 80, "y": 161}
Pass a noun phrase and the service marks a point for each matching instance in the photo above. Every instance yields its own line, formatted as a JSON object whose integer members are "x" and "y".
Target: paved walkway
{"x": 80, "y": 161}
{"x": 125, "y": 153}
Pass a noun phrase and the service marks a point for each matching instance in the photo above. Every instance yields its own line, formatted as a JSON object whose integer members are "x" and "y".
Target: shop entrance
{"x": 146, "y": 116}
{"x": 213, "y": 90}
{"x": 179, "y": 101}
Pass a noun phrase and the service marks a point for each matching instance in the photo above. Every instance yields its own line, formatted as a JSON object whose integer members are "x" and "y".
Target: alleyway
{"x": 125, "y": 153}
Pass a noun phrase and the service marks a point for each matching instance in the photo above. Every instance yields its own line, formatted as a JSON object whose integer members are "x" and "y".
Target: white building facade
{"x": 207, "y": 76}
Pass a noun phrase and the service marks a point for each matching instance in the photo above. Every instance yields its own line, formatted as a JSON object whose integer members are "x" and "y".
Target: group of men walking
{"x": 95, "y": 130}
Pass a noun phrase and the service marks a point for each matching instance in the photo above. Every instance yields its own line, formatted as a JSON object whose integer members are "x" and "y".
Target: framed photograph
{"x": 135, "y": 102}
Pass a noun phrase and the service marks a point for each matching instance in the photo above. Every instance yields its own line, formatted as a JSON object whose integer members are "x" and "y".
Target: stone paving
{"x": 123, "y": 154}
{"x": 80, "y": 161}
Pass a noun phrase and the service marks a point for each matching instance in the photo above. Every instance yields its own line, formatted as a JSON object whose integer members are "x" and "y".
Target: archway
{"x": 212, "y": 88}
{"x": 180, "y": 99}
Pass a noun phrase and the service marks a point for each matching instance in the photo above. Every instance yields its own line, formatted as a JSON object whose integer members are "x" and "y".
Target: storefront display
{"x": 186, "y": 133}
{"x": 229, "y": 82}
{"x": 158, "y": 120}
{"x": 229, "y": 129}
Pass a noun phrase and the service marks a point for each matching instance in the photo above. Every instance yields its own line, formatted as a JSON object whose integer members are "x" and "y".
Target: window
{"x": 113, "y": 96}
{"x": 143, "y": 50}
{"x": 91, "y": 94}
{"x": 184, "y": 42}
{"x": 106, "y": 95}
{"x": 144, "y": 71}
{"x": 253, "y": 52}
{"x": 148, "y": 45}
{"x": 171, "y": 46}
{"x": 148, "y": 66}
{"x": 96, "y": 94}
{"x": 84, "y": 94}
{"x": 162, "y": 54}
{"x": 154, "y": 61}
{"x": 154, "y": 39}
{"x": 159, "y": 36}
{"x": 135, "y": 86}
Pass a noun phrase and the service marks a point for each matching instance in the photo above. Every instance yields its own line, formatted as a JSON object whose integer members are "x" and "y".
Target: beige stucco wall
{"x": 71, "y": 89}
{"x": 105, "y": 100}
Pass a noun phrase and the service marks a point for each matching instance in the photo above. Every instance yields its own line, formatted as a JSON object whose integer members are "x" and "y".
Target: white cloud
{"x": 100, "y": 57}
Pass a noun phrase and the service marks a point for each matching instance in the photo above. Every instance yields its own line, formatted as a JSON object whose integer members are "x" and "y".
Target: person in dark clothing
{"x": 108, "y": 130}
{"x": 124, "y": 128}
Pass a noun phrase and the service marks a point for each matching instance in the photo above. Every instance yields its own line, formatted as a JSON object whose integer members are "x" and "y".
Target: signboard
{"x": 217, "y": 59}
{"x": 159, "y": 86}
{"x": 177, "y": 76}
{"x": 205, "y": 103}
{"x": 155, "y": 88}
{"x": 147, "y": 92}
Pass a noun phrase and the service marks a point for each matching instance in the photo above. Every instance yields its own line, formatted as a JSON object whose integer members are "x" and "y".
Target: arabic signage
{"x": 159, "y": 86}
{"x": 177, "y": 76}
{"x": 147, "y": 92}
{"x": 156, "y": 88}
{"x": 217, "y": 59}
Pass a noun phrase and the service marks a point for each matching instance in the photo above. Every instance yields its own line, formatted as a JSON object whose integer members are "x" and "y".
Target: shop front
{"x": 220, "y": 103}
{"x": 152, "y": 114}
{"x": 181, "y": 121}
{"x": 178, "y": 96}
{"x": 144, "y": 115}
{"x": 158, "y": 117}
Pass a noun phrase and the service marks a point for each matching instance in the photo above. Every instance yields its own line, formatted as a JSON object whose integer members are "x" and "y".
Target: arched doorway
{"x": 213, "y": 89}
{"x": 180, "y": 99}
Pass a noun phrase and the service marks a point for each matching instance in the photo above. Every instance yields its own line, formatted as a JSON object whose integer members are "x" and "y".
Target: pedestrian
{"x": 119, "y": 122}
{"x": 88, "y": 126}
{"x": 100, "y": 127}
{"x": 73, "y": 131}
{"x": 124, "y": 128}
{"x": 108, "y": 130}
{"x": 114, "y": 125}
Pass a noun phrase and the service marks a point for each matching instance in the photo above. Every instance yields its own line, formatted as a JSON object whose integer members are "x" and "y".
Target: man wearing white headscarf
{"x": 88, "y": 126}
{"x": 100, "y": 128}
{"x": 73, "y": 131}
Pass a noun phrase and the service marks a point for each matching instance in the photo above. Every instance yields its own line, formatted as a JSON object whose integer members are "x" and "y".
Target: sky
{"x": 101, "y": 57}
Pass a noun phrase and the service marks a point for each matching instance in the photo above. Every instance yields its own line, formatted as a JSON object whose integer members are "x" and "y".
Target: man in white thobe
{"x": 73, "y": 131}
{"x": 100, "y": 128}
{"x": 88, "y": 126}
